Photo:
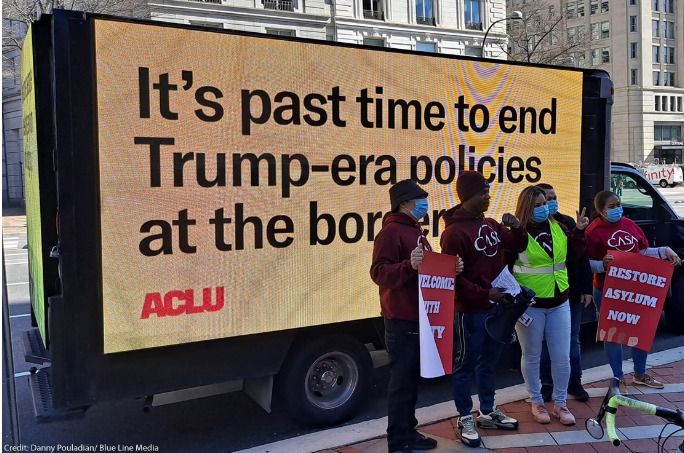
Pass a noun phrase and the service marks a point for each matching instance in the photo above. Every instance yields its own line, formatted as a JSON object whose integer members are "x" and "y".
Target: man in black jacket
{"x": 580, "y": 278}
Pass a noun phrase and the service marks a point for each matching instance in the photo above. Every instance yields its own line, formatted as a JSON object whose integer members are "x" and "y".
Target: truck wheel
{"x": 324, "y": 381}
{"x": 663, "y": 183}
{"x": 674, "y": 308}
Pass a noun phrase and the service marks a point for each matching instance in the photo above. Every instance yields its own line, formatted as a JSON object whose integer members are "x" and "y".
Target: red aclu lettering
{"x": 181, "y": 302}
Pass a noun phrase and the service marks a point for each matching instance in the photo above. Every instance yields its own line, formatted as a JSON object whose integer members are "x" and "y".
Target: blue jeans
{"x": 576, "y": 308}
{"x": 552, "y": 325}
{"x": 614, "y": 350}
{"x": 475, "y": 354}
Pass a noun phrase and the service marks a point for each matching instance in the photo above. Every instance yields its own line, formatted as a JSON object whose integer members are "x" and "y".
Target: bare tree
{"x": 18, "y": 14}
{"x": 543, "y": 36}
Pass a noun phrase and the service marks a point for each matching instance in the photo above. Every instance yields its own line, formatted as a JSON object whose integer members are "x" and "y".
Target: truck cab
{"x": 645, "y": 205}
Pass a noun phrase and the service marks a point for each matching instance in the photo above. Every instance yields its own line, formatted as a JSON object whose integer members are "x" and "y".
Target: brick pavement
{"x": 532, "y": 437}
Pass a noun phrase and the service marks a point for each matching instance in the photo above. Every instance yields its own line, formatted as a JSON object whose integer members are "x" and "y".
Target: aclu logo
{"x": 487, "y": 240}
{"x": 623, "y": 241}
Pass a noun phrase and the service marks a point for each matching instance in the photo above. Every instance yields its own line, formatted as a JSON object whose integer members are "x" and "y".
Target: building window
{"x": 600, "y": 30}
{"x": 426, "y": 46}
{"x": 668, "y": 6}
{"x": 634, "y": 76}
{"x": 657, "y": 103}
{"x": 581, "y": 60}
{"x": 656, "y": 78}
{"x": 673, "y": 104}
{"x": 604, "y": 6}
{"x": 668, "y": 31}
{"x": 593, "y": 6}
{"x": 656, "y": 28}
{"x": 281, "y": 5}
{"x": 605, "y": 55}
{"x": 280, "y": 32}
{"x": 372, "y": 9}
{"x": 633, "y": 50}
{"x": 207, "y": 24}
{"x": 571, "y": 10}
{"x": 669, "y": 55}
{"x": 664, "y": 104}
{"x": 632, "y": 23}
{"x": 473, "y": 51}
{"x": 595, "y": 31}
{"x": 580, "y": 8}
{"x": 679, "y": 104}
{"x": 669, "y": 79}
{"x": 671, "y": 4}
{"x": 667, "y": 133}
{"x": 595, "y": 57}
{"x": 473, "y": 18}
{"x": 655, "y": 5}
{"x": 374, "y": 42}
{"x": 632, "y": 2}
{"x": 424, "y": 12}
{"x": 656, "y": 54}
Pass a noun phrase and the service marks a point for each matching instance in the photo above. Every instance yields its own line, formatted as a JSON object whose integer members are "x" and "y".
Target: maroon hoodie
{"x": 391, "y": 269}
{"x": 480, "y": 242}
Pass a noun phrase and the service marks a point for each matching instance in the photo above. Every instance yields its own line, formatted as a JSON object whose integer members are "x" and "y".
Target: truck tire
{"x": 674, "y": 308}
{"x": 324, "y": 381}
{"x": 663, "y": 183}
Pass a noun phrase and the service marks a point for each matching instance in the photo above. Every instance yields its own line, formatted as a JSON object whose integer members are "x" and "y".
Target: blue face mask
{"x": 553, "y": 206}
{"x": 614, "y": 215}
{"x": 421, "y": 208}
{"x": 540, "y": 213}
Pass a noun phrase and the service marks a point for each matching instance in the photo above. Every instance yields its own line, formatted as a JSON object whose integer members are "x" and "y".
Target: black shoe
{"x": 421, "y": 442}
{"x": 403, "y": 449}
{"x": 575, "y": 389}
{"x": 547, "y": 392}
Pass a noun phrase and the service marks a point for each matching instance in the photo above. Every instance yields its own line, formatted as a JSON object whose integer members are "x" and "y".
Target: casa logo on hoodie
{"x": 487, "y": 240}
{"x": 623, "y": 241}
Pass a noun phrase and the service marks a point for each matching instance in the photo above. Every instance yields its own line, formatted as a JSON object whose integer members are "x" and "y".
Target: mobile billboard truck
{"x": 202, "y": 203}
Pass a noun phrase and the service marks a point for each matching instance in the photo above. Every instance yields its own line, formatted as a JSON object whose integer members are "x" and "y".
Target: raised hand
{"x": 582, "y": 220}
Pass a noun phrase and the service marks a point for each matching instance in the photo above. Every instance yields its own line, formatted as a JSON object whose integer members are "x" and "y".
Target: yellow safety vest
{"x": 536, "y": 270}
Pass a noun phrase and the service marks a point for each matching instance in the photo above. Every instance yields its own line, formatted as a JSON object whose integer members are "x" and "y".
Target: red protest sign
{"x": 634, "y": 293}
{"x": 436, "y": 278}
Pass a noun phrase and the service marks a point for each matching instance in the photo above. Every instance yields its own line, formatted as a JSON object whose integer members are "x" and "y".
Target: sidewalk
{"x": 13, "y": 221}
{"x": 638, "y": 431}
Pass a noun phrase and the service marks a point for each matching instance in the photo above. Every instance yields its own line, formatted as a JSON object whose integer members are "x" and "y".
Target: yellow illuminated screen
{"x": 243, "y": 179}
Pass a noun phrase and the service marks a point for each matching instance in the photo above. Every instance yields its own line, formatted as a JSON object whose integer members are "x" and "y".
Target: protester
{"x": 480, "y": 241}
{"x": 579, "y": 277}
{"x": 397, "y": 253}
{"x": 542, "y": 268}
{"x": 610, "y": 230}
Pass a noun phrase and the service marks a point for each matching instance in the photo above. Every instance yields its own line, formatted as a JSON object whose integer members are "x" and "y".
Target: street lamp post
{"x": 515, "y": 15}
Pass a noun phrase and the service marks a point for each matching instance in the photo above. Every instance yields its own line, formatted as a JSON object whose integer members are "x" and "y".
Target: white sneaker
{"x": 467, "y": 431}
{"x": 496, "y": 419}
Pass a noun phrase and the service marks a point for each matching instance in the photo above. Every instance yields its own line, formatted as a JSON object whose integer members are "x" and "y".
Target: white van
{"x": 663, "y": 175}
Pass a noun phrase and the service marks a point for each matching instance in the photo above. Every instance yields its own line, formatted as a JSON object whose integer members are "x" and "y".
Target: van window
{"x": 636, "y": 196}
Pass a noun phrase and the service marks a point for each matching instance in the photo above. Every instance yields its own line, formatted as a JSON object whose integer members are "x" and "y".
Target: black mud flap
{"x": 34, "y": 351}
{"x": 41, "y": 391}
